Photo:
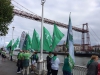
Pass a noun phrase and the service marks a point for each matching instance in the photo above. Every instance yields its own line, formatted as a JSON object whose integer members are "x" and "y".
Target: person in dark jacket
{"x": 49, "y": 63}
{"x": 92, "y": 66}
{"x": 19, "y": 62}
{"x": 34, "y": 59}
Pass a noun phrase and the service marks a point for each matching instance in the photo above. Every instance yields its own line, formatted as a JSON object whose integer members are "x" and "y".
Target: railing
{"x": 78, "y": 70}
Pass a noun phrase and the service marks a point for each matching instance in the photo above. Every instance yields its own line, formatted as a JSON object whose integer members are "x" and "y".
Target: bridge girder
{"x": 48, "y": 21}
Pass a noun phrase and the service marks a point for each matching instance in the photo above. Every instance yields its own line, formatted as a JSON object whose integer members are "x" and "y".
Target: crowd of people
{"x": 53, "y": 62}
{"x": 23, "y": 61}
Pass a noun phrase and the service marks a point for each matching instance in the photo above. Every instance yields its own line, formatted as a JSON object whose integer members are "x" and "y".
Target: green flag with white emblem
{"x": 57, "y": 36}
{"x": 35, "y": 41}
{"x": 9, "y": 44}
{"x": 27, "y": 43}
{"x": 47, "y": 40}
{"x": 15, "y": 44}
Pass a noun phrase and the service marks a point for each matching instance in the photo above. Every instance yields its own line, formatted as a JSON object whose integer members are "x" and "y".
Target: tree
{"x": 6, "y": 16}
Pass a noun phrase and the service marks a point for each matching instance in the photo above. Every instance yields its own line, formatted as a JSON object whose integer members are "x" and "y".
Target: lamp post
{"x": 4, "y": 41}
{"x": 40, "y": 65}
{"x": 41, "y": 54}
{"x": 11, "y": 52}
{"x": 12, "y": 33}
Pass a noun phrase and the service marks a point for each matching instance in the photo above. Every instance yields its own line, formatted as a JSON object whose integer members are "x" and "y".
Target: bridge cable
{"x": 17, "y": 7}
{"x": 94, "y": 37}
{"x": 23, "y": 7}
{"x": 94, "y": 32}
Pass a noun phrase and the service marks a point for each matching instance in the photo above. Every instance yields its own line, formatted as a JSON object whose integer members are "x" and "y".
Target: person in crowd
{"x": 3, "y": 55}
{"x": 26, "y": 57}
{"x": 0, "y": 51}
{"x": 34, "y": 59}
{"x": 19, "y": 62}
{"x": 66, "y": 67}
{"x": 48, "y": 58}
{"x": 98, "y": 69}
{"x": 92, "y": 65}
{"x": 55, "y": 64}
{"x": 10, "y": 53}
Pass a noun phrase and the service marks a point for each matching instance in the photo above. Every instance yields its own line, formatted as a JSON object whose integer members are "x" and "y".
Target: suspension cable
{"x": 23, "y": 7}
{"x": 94, "y": 33}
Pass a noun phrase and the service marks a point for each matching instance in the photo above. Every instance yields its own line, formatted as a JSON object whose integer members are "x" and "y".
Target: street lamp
{"x": 40, "y": 65}
{"x": 12, "y": 34}
{"x": 11, "y": 52}
{"x": 41, "y": 54}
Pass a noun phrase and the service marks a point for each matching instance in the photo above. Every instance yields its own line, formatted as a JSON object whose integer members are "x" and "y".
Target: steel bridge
{"x": 52, "y": 22}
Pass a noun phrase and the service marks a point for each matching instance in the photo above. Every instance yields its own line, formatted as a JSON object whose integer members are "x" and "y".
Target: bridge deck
{"x": 8, "y": 67}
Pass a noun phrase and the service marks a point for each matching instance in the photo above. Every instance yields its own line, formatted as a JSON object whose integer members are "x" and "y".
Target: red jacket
{"x": 99, "y": 69}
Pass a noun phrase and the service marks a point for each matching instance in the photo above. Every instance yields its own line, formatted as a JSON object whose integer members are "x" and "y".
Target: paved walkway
{"x": 8, "y": 67}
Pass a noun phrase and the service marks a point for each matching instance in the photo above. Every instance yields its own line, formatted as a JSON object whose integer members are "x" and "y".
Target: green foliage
{"x": 6, "y": 16}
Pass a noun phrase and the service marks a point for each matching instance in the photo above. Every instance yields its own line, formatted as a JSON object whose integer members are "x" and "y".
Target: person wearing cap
{"x": 26, "y": 57}
{"x": 55, "y": 64}
{"x": 34, "y": 59}
{"x": 48, "y": 58}
{"x": 19, "y": 62}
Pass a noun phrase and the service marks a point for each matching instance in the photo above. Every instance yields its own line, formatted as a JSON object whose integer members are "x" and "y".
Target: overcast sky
{"x": 82, "y": 11}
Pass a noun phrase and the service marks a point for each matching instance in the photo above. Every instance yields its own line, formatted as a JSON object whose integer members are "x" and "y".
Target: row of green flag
{"x": 49, "y": 43}
{"x": 13, "y": 46}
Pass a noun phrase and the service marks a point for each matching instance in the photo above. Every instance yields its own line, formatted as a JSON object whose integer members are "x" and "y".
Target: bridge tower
{"x": 85, "y": 43}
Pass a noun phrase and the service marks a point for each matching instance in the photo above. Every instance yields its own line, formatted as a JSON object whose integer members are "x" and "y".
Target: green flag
{"x": 57, "y": 36}
{"x": 10, "y": 44}
{"x": 67, "y": 44}
{"x": 47, "y": 40}
{"x": 35, "y": 41}
{"x": 27, "y": 42}
{"x": 15, "y": 44}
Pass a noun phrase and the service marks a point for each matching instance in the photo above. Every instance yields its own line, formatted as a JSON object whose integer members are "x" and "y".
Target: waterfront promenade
{"x": 8, "y": 67}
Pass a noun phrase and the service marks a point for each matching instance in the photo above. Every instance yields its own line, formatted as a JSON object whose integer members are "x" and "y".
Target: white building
{"x": 96, "y": 47}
